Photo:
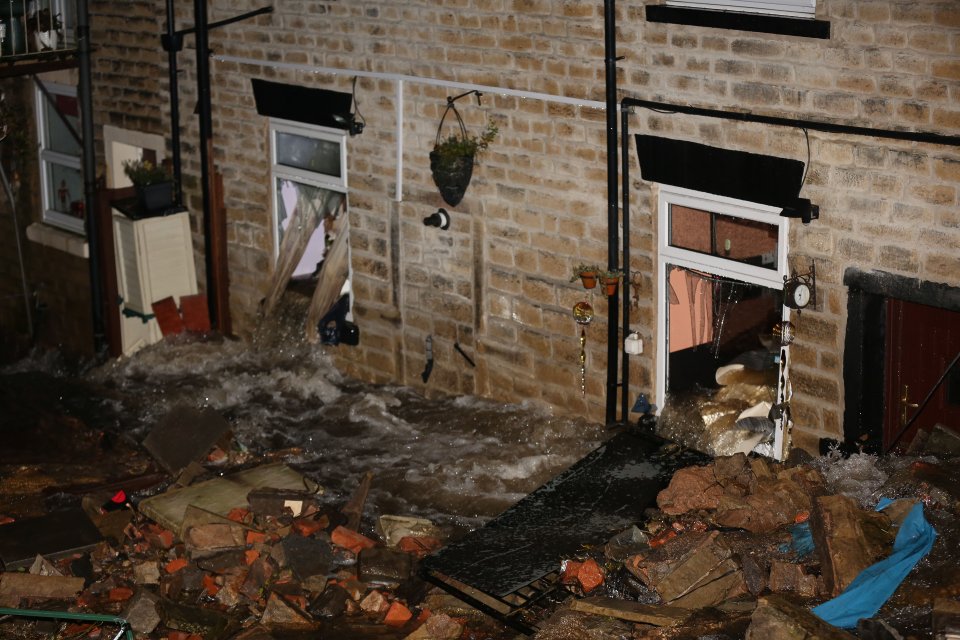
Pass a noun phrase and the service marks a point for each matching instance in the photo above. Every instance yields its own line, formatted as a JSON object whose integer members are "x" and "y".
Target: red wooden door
{"x": 921, "y": 342}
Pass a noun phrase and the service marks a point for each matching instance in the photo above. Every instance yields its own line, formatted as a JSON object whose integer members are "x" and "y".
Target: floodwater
{"x": 456, "y": 460}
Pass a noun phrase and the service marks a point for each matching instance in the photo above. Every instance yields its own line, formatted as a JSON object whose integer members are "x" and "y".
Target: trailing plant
{"x": 143, "y": 173}
{"x": 582, "y": 268}
{"x": 610, "y": 274}
{"x": 462, "y": 144}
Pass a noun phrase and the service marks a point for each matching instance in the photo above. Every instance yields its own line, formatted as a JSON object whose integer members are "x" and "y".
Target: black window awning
{"x": 303, "y": 104}
{"x": 735, "y": 174}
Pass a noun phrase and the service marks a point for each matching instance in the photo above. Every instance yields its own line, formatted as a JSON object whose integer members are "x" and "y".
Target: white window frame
{"x": 668, "y": 256}
{"x": 316, "y": 179}
{"x": 48, "y": 156}
{"x": 787, "y": 8}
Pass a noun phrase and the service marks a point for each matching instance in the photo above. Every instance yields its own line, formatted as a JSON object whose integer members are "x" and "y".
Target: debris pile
{"x": 745, "y": 547}
{"x": 277, "y": 564}
{"x": 739, "y": 548}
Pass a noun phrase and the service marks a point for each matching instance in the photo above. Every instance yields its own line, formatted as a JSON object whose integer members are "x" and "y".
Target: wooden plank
{"x": 304, "y": 220}
{"x": 657, "y": 615}
{"x": 333, "y": 273}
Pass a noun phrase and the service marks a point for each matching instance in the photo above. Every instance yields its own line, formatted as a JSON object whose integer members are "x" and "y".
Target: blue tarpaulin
{"x": 874, "y": 585}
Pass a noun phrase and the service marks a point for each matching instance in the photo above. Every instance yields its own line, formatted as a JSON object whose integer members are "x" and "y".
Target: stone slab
{"x": 219, "y": 495}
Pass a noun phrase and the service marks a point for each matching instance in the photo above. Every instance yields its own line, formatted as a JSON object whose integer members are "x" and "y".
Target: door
{"x": 922, "y": 341}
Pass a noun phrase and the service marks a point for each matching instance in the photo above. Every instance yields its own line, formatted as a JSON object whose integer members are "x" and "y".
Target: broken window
{"x": 721, "y": 265}
{"x": 61, "y": 175}
{"x": 309, "y": 185}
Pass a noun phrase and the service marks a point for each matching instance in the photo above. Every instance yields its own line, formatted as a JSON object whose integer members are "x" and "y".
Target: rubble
{"x": 740, "y": 547}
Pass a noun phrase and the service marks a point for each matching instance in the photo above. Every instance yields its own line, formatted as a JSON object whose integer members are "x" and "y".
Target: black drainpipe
{"x": 172, "y": 43}
{"x": 625, "y": 171}
{"x": 89, "y": 179}
{"x": 613, "y": 237}
{"x": 206, "y": 147}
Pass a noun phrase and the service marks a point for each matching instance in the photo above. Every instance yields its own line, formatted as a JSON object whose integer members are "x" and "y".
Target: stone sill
{"x": 59, "y": 239}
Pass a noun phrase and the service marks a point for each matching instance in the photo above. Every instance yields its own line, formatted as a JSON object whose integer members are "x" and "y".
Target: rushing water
{"x": 457, "y": 460}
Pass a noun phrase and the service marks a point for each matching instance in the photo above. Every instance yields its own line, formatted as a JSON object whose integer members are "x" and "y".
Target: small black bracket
{"x": 803, "y": 209}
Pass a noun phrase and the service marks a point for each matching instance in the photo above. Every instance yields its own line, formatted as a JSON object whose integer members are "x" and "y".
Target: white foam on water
{"x": 458, "y": 458}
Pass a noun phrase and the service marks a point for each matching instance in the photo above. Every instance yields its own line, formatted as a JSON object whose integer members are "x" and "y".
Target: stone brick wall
{"x": 497, "y": 282}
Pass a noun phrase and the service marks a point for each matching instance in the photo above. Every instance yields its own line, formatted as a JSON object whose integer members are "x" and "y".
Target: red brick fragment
{"x": 210, "y": 586}
{"x": 397, "y": 615}
{"x": 349, "y": 539}
{"x": 250, "y": 555}
{"x": 157, "y": 537}
{"x": 120, "y": 594}
{"x": 306, "y": 526}
{"x": 590, "y": 575}
{"x": 239, "y": 514}
{"x": 421, "y": 546}
{"x": 255, "y": 537}
{"x": 175, "y": 565}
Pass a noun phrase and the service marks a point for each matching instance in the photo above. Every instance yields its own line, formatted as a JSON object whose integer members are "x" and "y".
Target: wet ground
{"x": 458, "y": 461}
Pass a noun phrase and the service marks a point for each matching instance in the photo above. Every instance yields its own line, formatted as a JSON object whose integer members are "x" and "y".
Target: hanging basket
{"x": 451, "y": 171}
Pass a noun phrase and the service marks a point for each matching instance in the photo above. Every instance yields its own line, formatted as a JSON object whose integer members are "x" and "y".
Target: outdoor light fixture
{"x": 803, "y": 209}
{"x": 440, "y": 219}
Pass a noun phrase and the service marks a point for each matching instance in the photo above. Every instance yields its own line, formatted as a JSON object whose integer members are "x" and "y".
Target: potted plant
{"x": 153, "y": 183}
{"x": 45, "y": 29}
{"x": 452, "y": 158}
{"x": 587, "y": 273}
{"x": 611, "y": 280}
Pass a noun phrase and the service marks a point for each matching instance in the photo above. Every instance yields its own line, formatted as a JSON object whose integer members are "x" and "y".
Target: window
{"x": 309, "y": 165}
{"x": 61, "y": 175}
{"x": 721, "y": 263}
{"x": 792, "y": 8}
{"x": 782, "y": 17}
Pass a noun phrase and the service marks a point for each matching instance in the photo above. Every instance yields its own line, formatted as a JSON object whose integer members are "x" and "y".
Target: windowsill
{"x": 58, "y": 239}
{"x": 739, "y": 21}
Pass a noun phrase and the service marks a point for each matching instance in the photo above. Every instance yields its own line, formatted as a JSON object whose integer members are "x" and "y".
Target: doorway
{"x": 922, "y": 341}
{"x": 901, "y": 332}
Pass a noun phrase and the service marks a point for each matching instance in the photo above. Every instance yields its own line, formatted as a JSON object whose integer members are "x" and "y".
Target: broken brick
{"x": 175, "y": 565}
{"x": 420, "y": 546}
{"x": 120, "y": 594}
{"x": 281, "y": 614}
{"x": 157, "y": 536}
{"x": 210, "y": 586}
{"x": 690, "y": 488}
{"x": 590, "y": 576}
{"x": 349, "y": 539}
{"x": 397, "y": 615}
{"x": 374, "y": 602}
{"x": 306, "y": 526}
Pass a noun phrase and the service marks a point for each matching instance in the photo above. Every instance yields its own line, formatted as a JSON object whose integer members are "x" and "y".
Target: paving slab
{"x": 220, "y": 495}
